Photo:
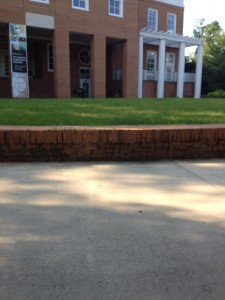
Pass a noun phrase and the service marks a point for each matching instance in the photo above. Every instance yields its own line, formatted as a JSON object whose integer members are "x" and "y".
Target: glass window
{"x": 171, "y": 23}
{"x": 151, "y": 61}
{"x": 170, "y": 66}
{"x": 153, "y": 19}
{"x": 116, "y": 8}
{"x": 80, "y": 4}
{"x": 85, "y": 73}
{"x": 85, "y": 57}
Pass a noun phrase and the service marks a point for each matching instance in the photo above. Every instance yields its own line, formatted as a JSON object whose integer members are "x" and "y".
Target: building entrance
{"x": 85, "y": 81}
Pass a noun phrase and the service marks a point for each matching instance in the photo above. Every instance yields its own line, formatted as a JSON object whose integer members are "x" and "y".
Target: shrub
{"x": 216, "y": 94}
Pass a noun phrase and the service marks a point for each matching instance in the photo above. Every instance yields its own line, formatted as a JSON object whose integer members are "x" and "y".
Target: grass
{"x": 89, "y": 112}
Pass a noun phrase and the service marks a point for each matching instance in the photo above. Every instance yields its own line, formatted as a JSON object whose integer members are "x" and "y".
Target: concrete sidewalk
{"x": 77, "y": 231}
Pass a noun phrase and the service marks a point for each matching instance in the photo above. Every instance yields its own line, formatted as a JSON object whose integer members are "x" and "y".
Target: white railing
{"x": 150, "y": 75}
{"x": 169, "y": 76}
{"x": 117, "y": 74}
{"x": 189, "y": 77}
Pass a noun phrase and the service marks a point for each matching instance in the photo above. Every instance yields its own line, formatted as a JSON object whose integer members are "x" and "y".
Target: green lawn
{"x": 111, "y": 111}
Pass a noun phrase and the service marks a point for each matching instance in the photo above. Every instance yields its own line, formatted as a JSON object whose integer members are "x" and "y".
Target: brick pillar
{"x": 61, "y": 55}
{"x": 98, "y": 66}
{"x": 130, "y": 68}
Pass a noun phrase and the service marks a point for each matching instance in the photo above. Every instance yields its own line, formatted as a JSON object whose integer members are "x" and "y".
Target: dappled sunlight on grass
{"x": 111, "y": 111}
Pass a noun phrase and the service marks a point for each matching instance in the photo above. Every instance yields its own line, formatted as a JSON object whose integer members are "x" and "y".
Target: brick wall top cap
{"x": 124, "y": 127}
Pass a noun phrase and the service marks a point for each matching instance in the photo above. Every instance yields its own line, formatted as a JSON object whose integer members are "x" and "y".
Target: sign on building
{"x": 19, "y": 65}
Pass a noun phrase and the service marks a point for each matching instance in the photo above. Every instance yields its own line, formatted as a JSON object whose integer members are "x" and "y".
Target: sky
{"x": 210, "y": 10}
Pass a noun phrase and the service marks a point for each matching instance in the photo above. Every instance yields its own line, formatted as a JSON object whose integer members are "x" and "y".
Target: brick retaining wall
{"x": 124, "y": 143}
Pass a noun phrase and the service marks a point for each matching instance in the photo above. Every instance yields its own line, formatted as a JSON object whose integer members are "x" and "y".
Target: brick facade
{"x": 112, "y": 41}
{"x": 111, "y": 143}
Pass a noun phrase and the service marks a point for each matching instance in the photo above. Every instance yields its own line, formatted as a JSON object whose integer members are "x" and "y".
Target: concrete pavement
{"x": 77, "y": 231}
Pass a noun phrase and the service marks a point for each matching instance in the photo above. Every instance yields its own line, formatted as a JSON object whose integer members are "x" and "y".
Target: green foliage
{"x": 214, "y": 36}
{"x": 216, "y": 94}
{"x": 213, "y": 55}
{"x": 103, "y": 112}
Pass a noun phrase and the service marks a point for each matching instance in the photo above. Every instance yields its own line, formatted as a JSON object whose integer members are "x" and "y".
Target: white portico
{"x": 163, "y": 40}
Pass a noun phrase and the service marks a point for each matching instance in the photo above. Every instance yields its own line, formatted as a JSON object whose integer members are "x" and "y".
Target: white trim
{"x": 40, "y": 21}
{"x": 163, "y": 40}
{"x": 155, "y": 60}
{"x": 121, "y": 9}
{"x": 140, "y": 67}
{"x": 41, "y": 1}
{"x": 173, "y": 2}
{"x": 86, "y": 80}
{"x": 174, "y": 23}
{"x": 81, "y": 8}
{"x": 170, "y": 75}
{"x": 50, "y": 69}
{"x": 157, "y": 19}
{"x": 173, "y": 40}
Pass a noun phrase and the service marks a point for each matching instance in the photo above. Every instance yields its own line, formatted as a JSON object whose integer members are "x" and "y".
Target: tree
{"x": 213, "y": 55}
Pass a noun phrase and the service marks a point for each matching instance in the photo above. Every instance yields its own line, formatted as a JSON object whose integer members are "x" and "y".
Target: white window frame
{"x": 41, "y": 1}
{"x": 156, "y": 19}
{"x": 170, "y": 67}
{"x": 170, "y": 30}
{"x": 120, "y": 8}
{"x": 48, "y": 54}
{"x": 149, "y": 52}
{"x": 86, "y": 8}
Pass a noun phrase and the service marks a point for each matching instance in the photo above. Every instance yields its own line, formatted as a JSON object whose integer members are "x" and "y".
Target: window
{"x": 85, "y": 57}
{"x": 170, "y": 67}
{"x": 171, "y": 23}
{"x": 41, "y": 1}
{"x": 152, "y": 19}
{"x": 151, "y": 66}
{"x": 50, "y": 57}
{"x": 116, "y": 8}
{"x": 85, "y": 73}
{"x": 151, "y": 61}
{"x": 80, "y": 4}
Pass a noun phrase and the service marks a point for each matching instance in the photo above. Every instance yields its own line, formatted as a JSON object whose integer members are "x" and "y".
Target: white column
{"x": 161, "y": 69}
{"x": 140, "y": 66}
{"x": 198, "y": 74}
{"x": 180, "y": 77}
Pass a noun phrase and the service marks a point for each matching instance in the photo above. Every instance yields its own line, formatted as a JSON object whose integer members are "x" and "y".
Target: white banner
{"x": 19, "y": 65}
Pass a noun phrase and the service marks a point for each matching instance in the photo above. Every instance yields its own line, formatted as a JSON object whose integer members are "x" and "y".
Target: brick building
{"x": 103, "y": 48}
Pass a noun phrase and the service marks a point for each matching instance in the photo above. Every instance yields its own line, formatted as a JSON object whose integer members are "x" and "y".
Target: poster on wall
{"x": 19, "y": 65}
